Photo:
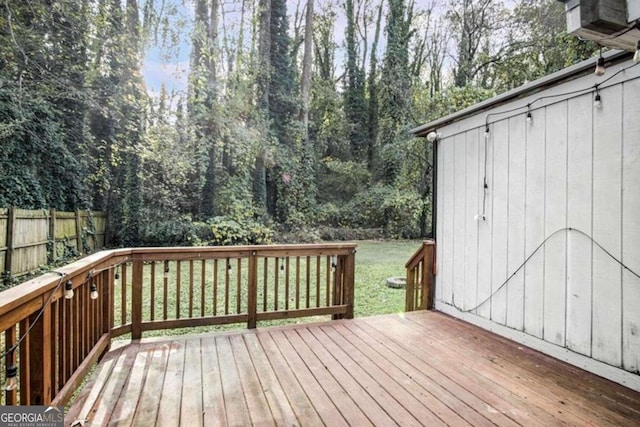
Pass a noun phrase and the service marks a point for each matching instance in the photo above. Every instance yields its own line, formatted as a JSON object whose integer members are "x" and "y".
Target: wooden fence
{"x": 32, "y": 238}
{"x": 57, "y": 325}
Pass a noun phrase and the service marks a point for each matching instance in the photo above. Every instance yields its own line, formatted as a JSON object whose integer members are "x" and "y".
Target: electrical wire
{"x": 521, "y": 266}
{"x": 62, "y": 276}
{"x": 33, "y": 323}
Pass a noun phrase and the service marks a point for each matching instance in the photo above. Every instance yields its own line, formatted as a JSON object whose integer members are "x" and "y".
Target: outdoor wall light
{"x": 433, "y": 136}
{"x": 600, "y": 69}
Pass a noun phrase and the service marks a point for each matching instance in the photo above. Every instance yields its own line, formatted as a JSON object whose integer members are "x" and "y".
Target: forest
{"x": 293, "y": 123}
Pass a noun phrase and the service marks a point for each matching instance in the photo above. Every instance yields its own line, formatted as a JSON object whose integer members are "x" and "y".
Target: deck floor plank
{"x": 125, "y": 409}
{"x": 191, "y": 408}
{"x": 542, "y": 366}
{"x": 296, "y": 394}
{"x": 461, "y": 400}
{"x": 171, "y": 394}
{"x": 418, "y": 400}
{"x": 276, "y": 397}
{"x": 235, "y": 402}
{"x": 259, "y": 409}
{"x": 502, "y": 399}
{"x": 147, "y": 411}
{"x": 90, "y": 395}
{"x": 214, "y": 414}
{"x": 423, "y": 368}
{"x": 108, "y": 399}
{"x": 535, "y": 375}
{"x": 360, "y": 393}
{"x": 318, "y": 397}
{"x": 388, "y": 393}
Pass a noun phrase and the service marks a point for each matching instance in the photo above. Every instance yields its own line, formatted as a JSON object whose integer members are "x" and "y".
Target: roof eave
{"x": 519, "y": 92}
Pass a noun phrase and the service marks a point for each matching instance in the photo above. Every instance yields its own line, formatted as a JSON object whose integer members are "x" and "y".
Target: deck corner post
{"x": 349, "y": 283}
{"x": 428, "y": 273}
{"x": 252, "y": 294}
{"x": 136, "y": 299}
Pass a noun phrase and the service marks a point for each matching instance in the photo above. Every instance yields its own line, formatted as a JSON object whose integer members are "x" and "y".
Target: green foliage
{"x": 340, "y": 180}
{"x": 176, "y": 232}
{"x": 228, "y": 230}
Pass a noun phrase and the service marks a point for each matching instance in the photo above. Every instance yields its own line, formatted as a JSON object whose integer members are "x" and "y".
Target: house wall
{"x": 575, "y": 166}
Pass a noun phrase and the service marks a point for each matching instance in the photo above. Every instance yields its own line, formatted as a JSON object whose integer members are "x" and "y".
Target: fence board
{"x": 26, "y": 237}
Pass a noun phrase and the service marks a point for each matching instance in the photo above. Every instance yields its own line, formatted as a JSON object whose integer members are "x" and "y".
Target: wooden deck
{"x": 423, "y": 368}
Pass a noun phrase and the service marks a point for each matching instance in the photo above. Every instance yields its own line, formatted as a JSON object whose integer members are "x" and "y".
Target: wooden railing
{"x": 421, "y": 269}
{"x": 149, "y": 289}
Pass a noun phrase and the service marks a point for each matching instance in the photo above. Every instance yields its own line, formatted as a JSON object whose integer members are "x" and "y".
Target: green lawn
{"x": 375, "y": 261}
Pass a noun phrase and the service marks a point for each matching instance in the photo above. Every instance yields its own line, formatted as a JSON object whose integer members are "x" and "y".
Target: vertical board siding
{"x": 607, "y": 217}
{"x": 459, "y": 215}
{"x": 631, "y": 226}
{"x": 440, "y": 212}
{"x": 555, "y": 218}
{"x": 515, "y": 237}
{"x": 448, "y": 238}
{"x": 484, "y": 227}
{"x": 579, "y": 198}
{"x": 499, "y": 203}
{"x": 473, "y": 144}
{"x": 534, "y": 225}
{"x": 574, "y": 169}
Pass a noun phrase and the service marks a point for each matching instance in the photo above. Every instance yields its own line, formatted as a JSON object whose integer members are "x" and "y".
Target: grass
{"x": 375, "y": 262}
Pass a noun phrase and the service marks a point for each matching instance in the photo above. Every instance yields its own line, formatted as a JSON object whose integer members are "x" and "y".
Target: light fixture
{"x": 334, "y": 263}
{"x": 117, "y": 275}
{"x": 68, "y": 290}
{"x": 433, "y": 136}
{"x": 486, "y": 132}
{"x": 229, "y": 268}
{"x": 597, "y": 101}
{"x": 600, "y": 69}
{"x": 636, "y": 57}
{"x": 166, "y": 271}
{"x": 94, "y": 291}
{"x": 529, "y": 117}
{"x": 282, "y": 264}
{"x": 12, "y": 380}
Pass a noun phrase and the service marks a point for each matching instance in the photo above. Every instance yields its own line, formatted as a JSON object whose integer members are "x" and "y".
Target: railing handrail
{"x": 55, "y": 363}
{"x": 418, "y": 254}
{"x": 420, "y": 271}
{"x": 27, "y": 291}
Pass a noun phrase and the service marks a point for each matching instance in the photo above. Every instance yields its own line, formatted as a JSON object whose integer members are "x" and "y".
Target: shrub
{"x": 239, "y": 231}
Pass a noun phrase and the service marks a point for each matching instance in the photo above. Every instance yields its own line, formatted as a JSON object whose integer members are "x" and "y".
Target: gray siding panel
{"x": 607, "y": 217}
{"x": 579, "y": 212}
{"x": 574, "y": 166}
{"x": 631, "y": 226}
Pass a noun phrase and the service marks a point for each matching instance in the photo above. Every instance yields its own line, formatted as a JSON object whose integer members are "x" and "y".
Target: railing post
{"x": 40, "y": 351}
{"x": 252, "y": 294}
{"x": 409, "y": 291}
{"x": 136, "y": 299}
{"x": 349, "y": 283}
{"x": 428, "y": 271}
{"x": 337, "y": 284}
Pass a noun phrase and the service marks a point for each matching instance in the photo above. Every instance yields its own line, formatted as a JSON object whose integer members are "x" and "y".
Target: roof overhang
{"x": 570, "y": 73}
